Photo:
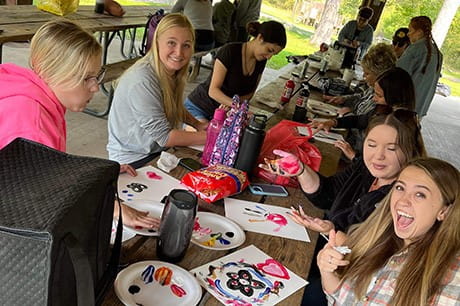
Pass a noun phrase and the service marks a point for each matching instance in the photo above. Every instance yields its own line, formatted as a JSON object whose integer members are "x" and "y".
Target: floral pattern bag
{"x": 227, "y": 144}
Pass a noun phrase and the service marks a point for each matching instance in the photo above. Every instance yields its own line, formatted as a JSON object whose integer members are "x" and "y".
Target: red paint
{"x": 152, "y": 175}
{"x": 178, "y": 291}
{"x": 289, "y": 164}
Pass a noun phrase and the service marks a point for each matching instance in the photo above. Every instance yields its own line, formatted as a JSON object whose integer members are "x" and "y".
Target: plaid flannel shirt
{"x": 383, "y": 283}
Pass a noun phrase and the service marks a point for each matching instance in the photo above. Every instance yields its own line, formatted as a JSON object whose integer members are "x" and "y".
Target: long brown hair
{"x": 424, "y": 23}
{"x": 172, "y": 86}
{"x": 429, "y": 258}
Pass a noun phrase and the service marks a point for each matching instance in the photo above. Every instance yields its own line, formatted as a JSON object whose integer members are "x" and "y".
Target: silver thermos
{"x": 176, "y": 225}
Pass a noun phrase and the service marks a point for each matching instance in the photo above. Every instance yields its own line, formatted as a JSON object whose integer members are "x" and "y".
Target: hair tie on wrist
{"x": 303, "y": 170}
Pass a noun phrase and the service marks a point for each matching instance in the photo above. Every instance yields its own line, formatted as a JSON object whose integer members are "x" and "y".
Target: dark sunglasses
{"x": 402, "y": 114}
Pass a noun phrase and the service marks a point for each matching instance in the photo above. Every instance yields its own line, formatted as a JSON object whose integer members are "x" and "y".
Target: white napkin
{"x": 167, "y": 161}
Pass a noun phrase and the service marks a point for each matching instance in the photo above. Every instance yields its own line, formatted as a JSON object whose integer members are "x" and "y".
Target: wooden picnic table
{"x": 295, "y": 255}
{"x": 19, "y": 23}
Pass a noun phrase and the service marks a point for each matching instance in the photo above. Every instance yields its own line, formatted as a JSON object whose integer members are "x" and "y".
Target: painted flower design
{"x": 243, "y": 282}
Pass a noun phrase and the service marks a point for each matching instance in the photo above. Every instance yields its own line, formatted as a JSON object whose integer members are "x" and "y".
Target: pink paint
{"x": 274, "y": 268}
{"x": 289, "y": 164}
{"x": 278, "y": 219}
{"x": 152, "y": 175}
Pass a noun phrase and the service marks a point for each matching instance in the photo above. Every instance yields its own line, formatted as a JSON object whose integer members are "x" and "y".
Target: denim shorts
{"x": 196, "y": 112}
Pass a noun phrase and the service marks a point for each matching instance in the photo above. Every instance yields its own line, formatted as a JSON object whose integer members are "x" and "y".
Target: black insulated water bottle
{"x": 251, "y": 143}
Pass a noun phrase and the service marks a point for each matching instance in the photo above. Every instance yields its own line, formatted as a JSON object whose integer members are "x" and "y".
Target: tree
{"x": 441, "y": 26}
{"x": 327, "y": 22}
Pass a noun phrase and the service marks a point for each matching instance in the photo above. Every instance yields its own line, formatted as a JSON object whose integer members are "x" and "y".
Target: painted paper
{"x": 150, "y": 184}
{"x": 264, "y": 219}
{"x": 248, "y": 277}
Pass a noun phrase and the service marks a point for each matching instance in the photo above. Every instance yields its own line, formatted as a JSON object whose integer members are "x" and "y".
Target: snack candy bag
{"x": 215, "y": 182}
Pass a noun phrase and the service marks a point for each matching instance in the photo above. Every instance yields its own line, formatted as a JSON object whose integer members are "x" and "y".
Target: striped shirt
{"x": 382, "y": 285}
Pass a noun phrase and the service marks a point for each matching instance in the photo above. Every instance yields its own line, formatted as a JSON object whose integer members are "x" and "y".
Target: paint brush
{"x": 344, "y": 250}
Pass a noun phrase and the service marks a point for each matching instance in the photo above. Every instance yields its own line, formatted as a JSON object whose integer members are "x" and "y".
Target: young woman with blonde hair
{"x": 66, "y": 72}
{"x": 148, "y": 112}
{"x": 407, "y": 253}
{"x": 423, "y": 61}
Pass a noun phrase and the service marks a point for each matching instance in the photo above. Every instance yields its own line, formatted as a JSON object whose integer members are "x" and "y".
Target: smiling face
{"x": 381, "y": 153}
{"x": 77, "y": 98}
{"x": 175, "y": 48}
{"x": 416, "y": 204}
{"x": 265, "y": 50}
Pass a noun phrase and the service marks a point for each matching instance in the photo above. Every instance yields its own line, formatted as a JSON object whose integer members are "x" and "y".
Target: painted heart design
{"x": 273, "y": 268}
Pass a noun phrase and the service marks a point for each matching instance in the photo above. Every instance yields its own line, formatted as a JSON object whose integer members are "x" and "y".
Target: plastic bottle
{"x": 323, "y": 64}
{"x": 288, "y": 90}
{"x": 176, "y": 225}
{"x": 251, "y": 143}
{"x": 99, "y": 7}
{"x": 304, "y": 70}
{"x": 212, "y": 133}
{"x": 300, "y": 112}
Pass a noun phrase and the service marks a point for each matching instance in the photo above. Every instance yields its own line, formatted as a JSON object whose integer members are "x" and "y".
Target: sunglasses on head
{"x": 402, "y": 114}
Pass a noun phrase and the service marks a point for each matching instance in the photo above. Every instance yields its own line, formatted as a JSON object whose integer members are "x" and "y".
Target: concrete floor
{"x": 87, "y": 135}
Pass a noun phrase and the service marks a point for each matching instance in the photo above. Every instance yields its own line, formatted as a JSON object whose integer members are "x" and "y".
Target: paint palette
{"x": 127, "y": 233}
{"x": 154, "y": 208}
{"x": 156, "y": 283}
{"x": 216, "y": 232}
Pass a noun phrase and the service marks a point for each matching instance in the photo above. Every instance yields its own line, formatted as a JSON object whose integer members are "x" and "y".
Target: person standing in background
{"x": 400, "y": 41}
{"x": 199, "y": 12}
{"x": 423, "y": 61}
{"x": 358, "y": 33}
{"x": 246, "y": 11}
{"x": 222, "y": 20}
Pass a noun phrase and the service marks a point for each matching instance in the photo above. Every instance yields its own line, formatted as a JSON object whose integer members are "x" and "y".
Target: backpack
{"x": 56, "y": 214}
{"x": 150, "y": 27}
{"x": 227, "y": 144}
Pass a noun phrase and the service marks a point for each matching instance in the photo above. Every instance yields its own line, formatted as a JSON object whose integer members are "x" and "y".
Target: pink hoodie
{"x": 29, "y": 109}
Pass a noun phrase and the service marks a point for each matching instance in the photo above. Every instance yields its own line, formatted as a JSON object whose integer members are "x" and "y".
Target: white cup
{"x": 348, "y": 75}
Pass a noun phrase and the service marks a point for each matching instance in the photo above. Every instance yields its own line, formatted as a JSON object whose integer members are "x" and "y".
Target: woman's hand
{"x": 329, "y": 259}
{"x": 315, "y": 224}
{"x": 288, "y": 165}
{"x": 128, "y": 169}
{"x": 333, "y": 99}
{"x": 135, "y": 218}
{"x": 325, "y": 125}
{"x": 343, "y": 111}
{"x": 346, "y": 148}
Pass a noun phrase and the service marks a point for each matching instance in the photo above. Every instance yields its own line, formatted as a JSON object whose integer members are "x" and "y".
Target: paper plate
{"x": 216, "y": 232}
{"x": 322, "y": 109}
{"x": 154, "y": 208}
{"x": 127, "y": 233}
{"x": 140, "y": 284}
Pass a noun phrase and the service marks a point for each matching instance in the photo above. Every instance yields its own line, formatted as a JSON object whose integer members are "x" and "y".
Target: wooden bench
{"x": 112, "y": 72}
{"x": 195, "y": 69}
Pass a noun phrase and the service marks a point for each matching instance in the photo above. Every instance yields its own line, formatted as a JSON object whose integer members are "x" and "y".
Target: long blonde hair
{"x": 374, "y": 241}
{"x": 61, "y": 53}
{"x": 172, "y": 86}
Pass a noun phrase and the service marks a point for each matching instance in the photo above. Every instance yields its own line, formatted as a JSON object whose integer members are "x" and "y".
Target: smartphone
{"x": 267, "y": 189}
{"x": 190, "y": 164}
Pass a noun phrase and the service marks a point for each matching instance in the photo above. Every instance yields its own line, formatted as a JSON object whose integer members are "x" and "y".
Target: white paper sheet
{"x": 264, "y": 219}
{"x": 150, "y": 184}
{"x": 248, "y": 277}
